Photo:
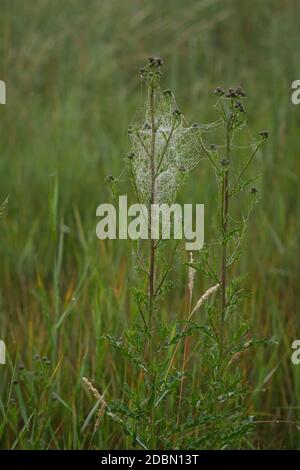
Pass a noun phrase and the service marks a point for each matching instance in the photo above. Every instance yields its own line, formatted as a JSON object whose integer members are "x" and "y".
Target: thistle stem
{"x": 152, "y": 265}
{"x": 224, "y": 224}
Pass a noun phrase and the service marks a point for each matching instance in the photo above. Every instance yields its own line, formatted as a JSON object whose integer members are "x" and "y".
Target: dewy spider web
{"x": 174, "y": 151}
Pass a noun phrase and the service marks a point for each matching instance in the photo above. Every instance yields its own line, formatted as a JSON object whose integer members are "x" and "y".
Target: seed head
{"x": 264, "y": 134}
{"x": 99, "y": 398}
{"x": 231, "y": 93}
{"x": 155, "y": 61}
{"x": 109, "y": 178}
{"x": 240, "y": 92}
{"x": 177, "y": 112}
{"x": 167, "y": 92}
{"x": 239, "y": 105}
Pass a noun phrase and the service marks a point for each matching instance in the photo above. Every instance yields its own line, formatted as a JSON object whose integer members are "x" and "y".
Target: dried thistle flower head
{"x": 264, "y": 134}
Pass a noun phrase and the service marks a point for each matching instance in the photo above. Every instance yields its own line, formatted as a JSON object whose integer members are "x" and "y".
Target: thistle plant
{"x": 228, "y": 336}
{"x": 163, "y": 404}
{"x": 232, "y": 180}
{"x": 162, "y": 154}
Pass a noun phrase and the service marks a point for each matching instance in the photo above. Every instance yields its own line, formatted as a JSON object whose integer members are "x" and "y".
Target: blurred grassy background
{"x": 72, "y": 78}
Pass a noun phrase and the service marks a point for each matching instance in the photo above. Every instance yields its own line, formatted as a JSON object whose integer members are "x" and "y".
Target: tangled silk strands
{"x": 175, "y": 150}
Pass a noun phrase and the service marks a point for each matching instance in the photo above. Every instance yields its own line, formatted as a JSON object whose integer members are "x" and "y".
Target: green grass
{"x": 72, "y": 89}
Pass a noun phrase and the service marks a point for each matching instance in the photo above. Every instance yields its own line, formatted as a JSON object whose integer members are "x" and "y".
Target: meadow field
{"x": 72, "y": 72}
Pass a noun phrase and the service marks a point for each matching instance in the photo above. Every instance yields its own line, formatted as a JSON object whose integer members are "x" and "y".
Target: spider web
{"x": 174, "y": 148}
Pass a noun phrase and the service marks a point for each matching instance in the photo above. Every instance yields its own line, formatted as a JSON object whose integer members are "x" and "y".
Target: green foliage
{"x": 164, "y": 403}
